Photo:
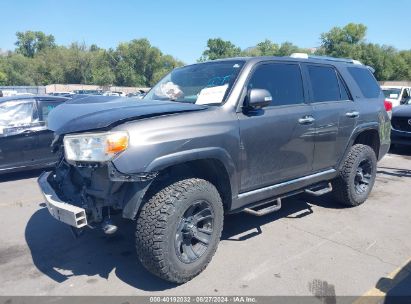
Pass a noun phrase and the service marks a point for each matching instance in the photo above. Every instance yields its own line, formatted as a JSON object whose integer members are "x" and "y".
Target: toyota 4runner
{"x": 215, "y": 138}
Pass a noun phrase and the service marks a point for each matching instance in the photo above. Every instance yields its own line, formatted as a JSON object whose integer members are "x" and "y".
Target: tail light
{"x": 388, "y": 105}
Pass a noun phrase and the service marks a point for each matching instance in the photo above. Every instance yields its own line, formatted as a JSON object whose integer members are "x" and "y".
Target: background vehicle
{"x": 88, "y": 92}
{"x": 401, "y": 124}
{"x": 24, "y": 138}
{"x": 397, "y": 95}
{"x": 139, "y": 94}
{"x": 63, "y": 94}
{"x": 218, "y": 137}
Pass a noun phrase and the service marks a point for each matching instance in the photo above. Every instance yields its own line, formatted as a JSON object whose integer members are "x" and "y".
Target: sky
{"x": 181, "y": 27}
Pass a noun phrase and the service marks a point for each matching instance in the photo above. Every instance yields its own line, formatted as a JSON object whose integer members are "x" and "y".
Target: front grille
{"x": 401, "y": 123}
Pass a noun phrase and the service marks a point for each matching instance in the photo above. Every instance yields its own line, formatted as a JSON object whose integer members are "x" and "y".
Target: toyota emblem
{"x": 409, "y": 122}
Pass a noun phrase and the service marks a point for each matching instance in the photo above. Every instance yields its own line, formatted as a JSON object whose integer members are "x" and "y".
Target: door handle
{"x": 306, "y": 120}
{"x": 352, "y": 114}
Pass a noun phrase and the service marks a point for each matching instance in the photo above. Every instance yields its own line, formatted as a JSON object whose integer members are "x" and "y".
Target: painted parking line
{"x": 377, "y": 294}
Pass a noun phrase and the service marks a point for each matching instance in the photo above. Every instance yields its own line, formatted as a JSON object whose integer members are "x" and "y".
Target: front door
{"x": 17, "y": 138}
{"x": 277, "y": 141}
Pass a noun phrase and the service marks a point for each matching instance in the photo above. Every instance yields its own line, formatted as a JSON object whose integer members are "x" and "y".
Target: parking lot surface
{"x": 311, "y": 246}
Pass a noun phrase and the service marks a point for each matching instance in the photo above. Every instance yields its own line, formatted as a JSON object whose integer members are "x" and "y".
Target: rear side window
{"x": 282, "y": 80}
{"x": 324, "y": 83}
{"x": 365, "y": 81}
{"x": 45, "y": 107}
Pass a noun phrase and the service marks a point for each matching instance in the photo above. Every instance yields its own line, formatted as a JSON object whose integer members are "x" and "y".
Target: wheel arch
{"x": 212, "y": 164}
{"x": 367, "y": 134}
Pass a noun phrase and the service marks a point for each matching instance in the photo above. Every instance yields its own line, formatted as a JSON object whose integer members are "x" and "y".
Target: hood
{"x": 97, "y": 112}
{"x": 402, "y": 111}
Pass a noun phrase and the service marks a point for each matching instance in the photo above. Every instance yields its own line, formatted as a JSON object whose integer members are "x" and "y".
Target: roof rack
{"x": 306, "y": 56}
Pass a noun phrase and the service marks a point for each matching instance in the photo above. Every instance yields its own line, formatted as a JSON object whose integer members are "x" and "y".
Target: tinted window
{"x": 343, "y": 89}
{"x": 366, "y": 82}
{"x": 45, "y": 107}
{"x": 324, "y": 83}
{"x": 282, "y": 80}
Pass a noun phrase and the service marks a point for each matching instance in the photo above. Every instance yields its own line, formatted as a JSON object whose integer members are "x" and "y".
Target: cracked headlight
{"x": 95, "y": 147}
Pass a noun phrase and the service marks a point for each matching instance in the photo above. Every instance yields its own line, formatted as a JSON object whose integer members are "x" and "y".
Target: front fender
{"x": 137, "y": 190}
{"x": 180, "y": 157}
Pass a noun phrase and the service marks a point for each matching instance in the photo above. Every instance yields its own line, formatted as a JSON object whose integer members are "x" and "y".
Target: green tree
{"x": 3, "y": 78}
{"x": 339, "y": 41}
{"x": 29, "y": 43}
{"x": 349, "y": 42}
{"x": 138, "y": 63}
{"x": 101, "y": 71}
{"x": 218, "y": 48}
{"x": 264, "y": 48}
{"x": 18, "y": 70}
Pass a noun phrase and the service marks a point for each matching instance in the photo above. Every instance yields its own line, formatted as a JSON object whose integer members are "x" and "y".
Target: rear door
{"x": 335, "y": 114}
{"x": 277, "y": 141}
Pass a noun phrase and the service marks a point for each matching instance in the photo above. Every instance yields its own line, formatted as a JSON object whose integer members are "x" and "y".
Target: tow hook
{"x": 108, "y": 227}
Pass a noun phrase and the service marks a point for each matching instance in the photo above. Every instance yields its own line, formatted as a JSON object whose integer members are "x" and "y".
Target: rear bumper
{"x": 400, "y": 137}
{"x": 66, "y": 213}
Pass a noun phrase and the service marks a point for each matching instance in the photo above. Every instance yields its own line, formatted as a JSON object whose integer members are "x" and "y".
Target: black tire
{"x": 356, "y": 177}
{"x": 165, "y": 234}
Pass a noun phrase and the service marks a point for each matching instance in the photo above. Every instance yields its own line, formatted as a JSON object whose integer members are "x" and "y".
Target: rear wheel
{"x": 356, "y": 177}
{"x": 179, "y": 228}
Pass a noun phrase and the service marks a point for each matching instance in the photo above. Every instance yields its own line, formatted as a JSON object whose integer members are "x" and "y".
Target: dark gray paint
{"x": 265, "y": 152}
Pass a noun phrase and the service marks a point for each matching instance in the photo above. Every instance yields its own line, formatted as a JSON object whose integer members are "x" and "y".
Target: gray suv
{"x": 233, "y": 135}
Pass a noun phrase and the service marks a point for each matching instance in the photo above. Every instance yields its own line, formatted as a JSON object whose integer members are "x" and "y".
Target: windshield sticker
{"x": 212, "y": 95}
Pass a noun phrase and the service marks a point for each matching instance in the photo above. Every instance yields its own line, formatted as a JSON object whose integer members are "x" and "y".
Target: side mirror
{"x": 258, "y": 99}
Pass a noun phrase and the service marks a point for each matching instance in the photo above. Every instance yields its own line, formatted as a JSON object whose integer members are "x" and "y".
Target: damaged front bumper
{"x": 88, "y": 194}
{"x": 66, "y": 213}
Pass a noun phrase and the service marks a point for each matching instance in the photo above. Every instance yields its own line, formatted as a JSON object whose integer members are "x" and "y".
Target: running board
{"x": 319, "y": 190}
{"x": 266, "y": 210}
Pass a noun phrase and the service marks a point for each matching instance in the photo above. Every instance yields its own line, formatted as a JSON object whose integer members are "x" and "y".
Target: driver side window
{"x": 17, "y": 116}
{"x": 282, "y": 80}
{"x": 17, "y": 112}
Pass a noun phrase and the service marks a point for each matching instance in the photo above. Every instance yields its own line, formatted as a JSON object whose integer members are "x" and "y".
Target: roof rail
{"x": 328, "y": 58}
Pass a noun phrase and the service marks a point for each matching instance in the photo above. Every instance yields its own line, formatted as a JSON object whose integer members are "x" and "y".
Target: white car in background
{"x": 397, "y": 95}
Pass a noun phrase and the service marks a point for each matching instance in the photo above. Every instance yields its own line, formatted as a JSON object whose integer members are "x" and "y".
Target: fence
{"x": 396, "y": 83}
{"x": 68, "y": 88}
{"x": 72, "y": 87}
{"x": 25, "y": 89}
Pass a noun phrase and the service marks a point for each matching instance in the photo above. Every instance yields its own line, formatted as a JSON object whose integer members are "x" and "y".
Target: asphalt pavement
{"x": 312, "y": 246}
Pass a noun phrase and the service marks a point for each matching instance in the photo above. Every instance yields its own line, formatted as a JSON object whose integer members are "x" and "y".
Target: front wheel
{"x": 179, "y": 228}
{"x": 356, "y": 177}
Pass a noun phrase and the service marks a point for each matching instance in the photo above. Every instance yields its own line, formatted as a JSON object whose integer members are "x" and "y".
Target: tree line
{"x": 38, "y": 60}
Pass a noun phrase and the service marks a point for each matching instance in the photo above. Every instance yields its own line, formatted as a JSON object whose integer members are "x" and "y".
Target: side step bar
{"x": 266, "y": 210}
{"x": 319, "y": 189}
{"x": 275, "y": 205}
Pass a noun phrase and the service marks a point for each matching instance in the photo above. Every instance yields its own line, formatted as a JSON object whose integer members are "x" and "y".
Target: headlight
{"x": 95, "y": 147}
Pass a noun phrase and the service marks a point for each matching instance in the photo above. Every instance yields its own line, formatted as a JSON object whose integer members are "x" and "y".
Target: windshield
{"x": 389, "y": 92}
{"x": 204, "y": 83}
